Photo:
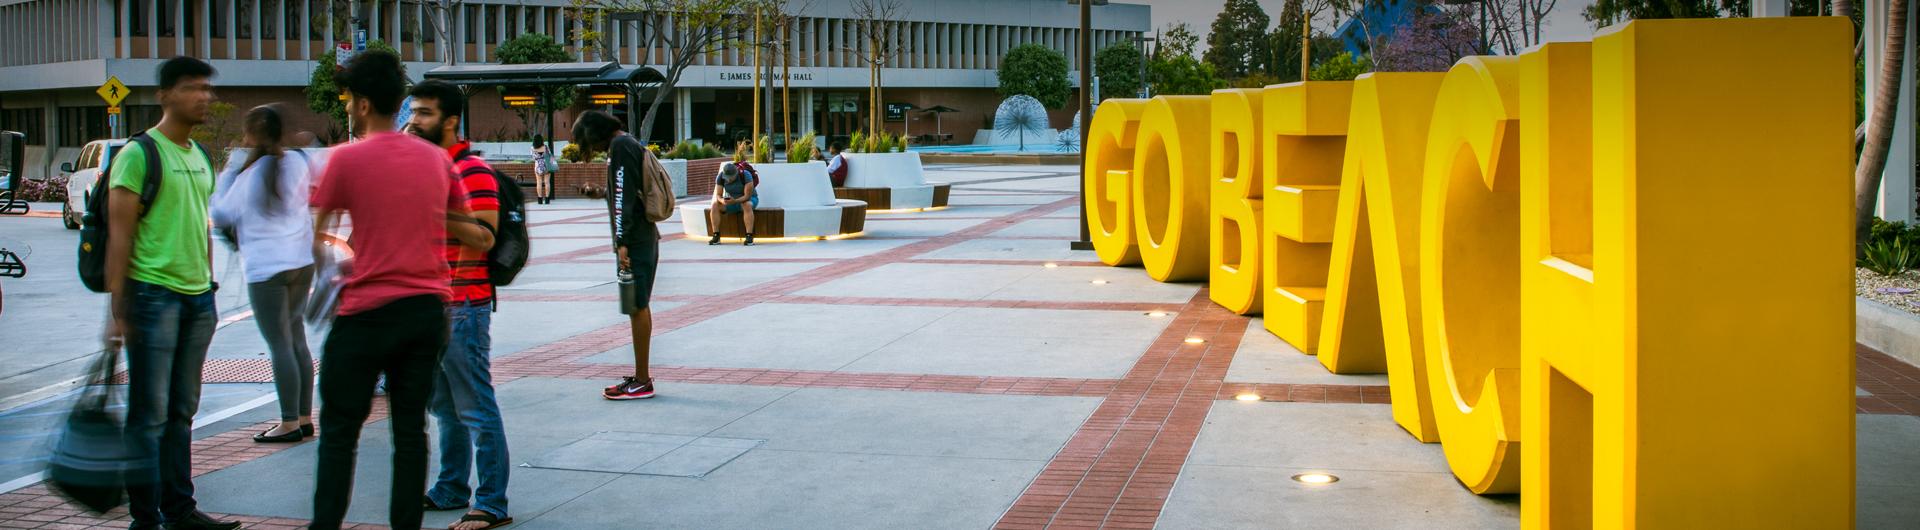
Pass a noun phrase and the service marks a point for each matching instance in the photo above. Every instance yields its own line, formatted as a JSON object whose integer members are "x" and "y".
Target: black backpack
{"x": 93, "y": 222}
{"x": 510, "y": 242}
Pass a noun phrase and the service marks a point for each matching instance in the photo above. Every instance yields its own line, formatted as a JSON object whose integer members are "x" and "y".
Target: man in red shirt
{"x": 392, "y": 316}
{"x": 471, "y": 431}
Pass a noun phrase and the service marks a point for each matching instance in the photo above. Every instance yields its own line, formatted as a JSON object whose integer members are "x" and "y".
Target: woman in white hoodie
{"x": 262, "y": 205}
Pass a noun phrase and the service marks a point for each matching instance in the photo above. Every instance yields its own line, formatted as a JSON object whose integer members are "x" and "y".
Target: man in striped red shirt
{"x": 472, "y": 434}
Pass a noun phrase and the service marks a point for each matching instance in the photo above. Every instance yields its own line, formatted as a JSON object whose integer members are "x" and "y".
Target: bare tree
{"x": 781, "y": 17}
{"x": 682, "y": 30}
{"x": 878, "y": 23}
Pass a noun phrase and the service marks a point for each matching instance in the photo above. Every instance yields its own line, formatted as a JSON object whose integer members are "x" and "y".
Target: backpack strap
{"x": 150, "y": 185}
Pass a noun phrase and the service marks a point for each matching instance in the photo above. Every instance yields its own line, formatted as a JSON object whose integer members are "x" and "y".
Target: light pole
{"x": 1086, "y": 97}
{"x": 1146, "y": 89}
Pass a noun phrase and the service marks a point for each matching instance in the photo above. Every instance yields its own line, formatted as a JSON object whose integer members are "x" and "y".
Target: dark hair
{"x": 594, "y": 129}
{"x": 448, "y": 98}
{"x": 182, "y": 67}
{"x": 376, "y": 76}
{"x": 539, "y": 140}
{"x": 264, "y": 125}
{"x": 837, "y": 146}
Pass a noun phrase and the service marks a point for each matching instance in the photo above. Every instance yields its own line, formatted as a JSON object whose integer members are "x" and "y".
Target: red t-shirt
{"x": 471, "y": 284}
{"x": 397, "y": 190}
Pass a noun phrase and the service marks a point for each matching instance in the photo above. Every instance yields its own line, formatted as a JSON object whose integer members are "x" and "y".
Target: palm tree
{"x": 1879, "y": 130}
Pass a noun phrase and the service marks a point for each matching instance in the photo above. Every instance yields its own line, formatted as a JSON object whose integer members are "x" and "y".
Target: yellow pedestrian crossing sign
{"x": 113, "y": 91}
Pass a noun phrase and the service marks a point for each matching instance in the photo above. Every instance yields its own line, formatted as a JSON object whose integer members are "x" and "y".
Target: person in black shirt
{"x": 635, "y": 240}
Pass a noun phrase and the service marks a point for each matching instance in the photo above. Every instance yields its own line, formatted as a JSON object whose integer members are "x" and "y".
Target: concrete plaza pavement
{"x": 957, "y": 368}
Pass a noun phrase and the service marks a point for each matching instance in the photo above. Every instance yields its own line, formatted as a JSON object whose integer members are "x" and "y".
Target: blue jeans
{"x": 471, "y": 431}
{"x": 166, "y": 339}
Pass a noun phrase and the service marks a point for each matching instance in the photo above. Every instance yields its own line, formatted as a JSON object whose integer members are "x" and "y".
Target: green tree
{"x": 1183, "y": 75}
{"x": 1176, "y": 40}
{"x": 536, "y": 48}
{"x": 1341, "y": 68}
{"x": 1284, "y": 43}
{"x": 323, "y": 97}
{"x": 1238, "y": 45}
{"x": 1119, "y": 67}
{"x": 1037, "y": 71}
{"x": 1603, "y": 13}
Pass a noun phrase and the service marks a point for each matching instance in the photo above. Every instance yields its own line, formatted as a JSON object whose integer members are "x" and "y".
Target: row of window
{"x": 410, "y": 26}
{"x": 77, "y": 125}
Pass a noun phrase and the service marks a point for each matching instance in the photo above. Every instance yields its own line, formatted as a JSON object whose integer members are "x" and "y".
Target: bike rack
{"x": 10, "y": 264}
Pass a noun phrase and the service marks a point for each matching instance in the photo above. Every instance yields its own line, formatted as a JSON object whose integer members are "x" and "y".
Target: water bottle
{"x": 628, "y": 298}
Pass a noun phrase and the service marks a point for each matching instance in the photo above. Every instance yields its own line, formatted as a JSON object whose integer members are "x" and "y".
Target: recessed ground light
{"x": 1315, "y": 478}
{"x": 1249, "y": 396}
{"x": 1099, "y": 282}
{"x": 1196, "y": 340}
{"x": 1051, "y": 265}
{"x": 1157, "y": 314}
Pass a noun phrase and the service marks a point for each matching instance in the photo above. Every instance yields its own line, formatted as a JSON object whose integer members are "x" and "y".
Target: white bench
{"x": 891, "y": 181}
{"x": 796, "y": 201}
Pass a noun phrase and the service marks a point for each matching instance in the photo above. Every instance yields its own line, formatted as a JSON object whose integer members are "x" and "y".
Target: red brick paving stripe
{"x": 956, "y": 384}
{"x": 1895, "y": 385}
{"x": 569, "y": 220}
{"x": 1373, "y": 394}
{"x": 1123, "y": 460}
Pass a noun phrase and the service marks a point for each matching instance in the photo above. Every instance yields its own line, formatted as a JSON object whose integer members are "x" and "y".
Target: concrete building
{"x": 55, "y": 53}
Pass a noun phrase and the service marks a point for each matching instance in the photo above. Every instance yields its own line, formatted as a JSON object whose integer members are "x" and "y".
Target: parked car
{"x": 81, "y": 173}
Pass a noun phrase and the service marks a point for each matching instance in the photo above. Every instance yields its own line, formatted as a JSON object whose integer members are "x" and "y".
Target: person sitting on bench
{"x": 733, "y": 192}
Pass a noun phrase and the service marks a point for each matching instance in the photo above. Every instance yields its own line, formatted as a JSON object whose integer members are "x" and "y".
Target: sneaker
{"x": 200, "y": 521}
{"x": 715, "y": 240}
{"x": 629, "y": 388}
{"x": 749, "y": 240}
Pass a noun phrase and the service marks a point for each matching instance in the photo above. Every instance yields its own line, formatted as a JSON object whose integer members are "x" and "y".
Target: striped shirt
{"x": 471, "y": 286}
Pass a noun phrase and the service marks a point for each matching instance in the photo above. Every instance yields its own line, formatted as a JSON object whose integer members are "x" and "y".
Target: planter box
{"x": 677, "y": 170}
{"x": 1891, "y": 330}
{"x": 573, "y": 177}
{"x": 796, "y": 200}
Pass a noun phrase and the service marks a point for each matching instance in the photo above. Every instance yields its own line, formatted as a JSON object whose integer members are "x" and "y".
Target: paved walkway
{"x": 951, "y": 369}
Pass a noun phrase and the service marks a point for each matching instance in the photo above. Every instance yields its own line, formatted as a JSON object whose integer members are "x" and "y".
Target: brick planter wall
{"x": 572, "y": 176}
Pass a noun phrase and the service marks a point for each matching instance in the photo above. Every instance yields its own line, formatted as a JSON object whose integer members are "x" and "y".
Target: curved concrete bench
{"x": 891, "y": 181}
{"x": 796, "y": 201}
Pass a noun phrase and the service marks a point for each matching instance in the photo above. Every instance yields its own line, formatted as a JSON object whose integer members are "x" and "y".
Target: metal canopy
{"x": 601, "y": 73}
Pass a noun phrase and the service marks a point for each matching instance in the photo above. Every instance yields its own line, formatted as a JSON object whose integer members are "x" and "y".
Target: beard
{"x": 431, "y": 135}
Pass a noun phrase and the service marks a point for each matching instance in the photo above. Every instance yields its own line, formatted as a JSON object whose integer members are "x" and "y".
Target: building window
{"x": 30, "y": 122}
{"x": 270, "y": 19}
{"x": 140, "y": 117}
{"x": 79, "y": 125}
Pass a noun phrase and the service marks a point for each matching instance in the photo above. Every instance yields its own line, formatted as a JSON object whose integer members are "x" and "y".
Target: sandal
{"x": 484, "y": 517}
{"x": 427, "y": 502}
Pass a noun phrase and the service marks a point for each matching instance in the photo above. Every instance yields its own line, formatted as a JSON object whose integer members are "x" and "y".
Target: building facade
{"x": 55, "y": 53}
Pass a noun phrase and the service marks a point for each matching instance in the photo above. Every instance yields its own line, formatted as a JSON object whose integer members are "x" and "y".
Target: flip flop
{"x": 484, "y": 517}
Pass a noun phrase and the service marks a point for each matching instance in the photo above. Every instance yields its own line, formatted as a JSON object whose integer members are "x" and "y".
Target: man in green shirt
{"x": 160, "y": 274}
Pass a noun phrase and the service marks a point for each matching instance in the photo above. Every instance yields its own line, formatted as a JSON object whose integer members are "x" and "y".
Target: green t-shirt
{"x": 171, "y": 247}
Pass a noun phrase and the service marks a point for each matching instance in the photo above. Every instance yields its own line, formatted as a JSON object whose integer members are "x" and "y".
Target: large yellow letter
{"x": 1470, "y": 271}
{"x": 1719, "y": 389}
{"x": 1373, "y": 289}
{"x": 1109, "y": 180}
{"x": 1234, "y": 225}
{"x": 1302, "y": 139}
{"x": 1170, "y": 188}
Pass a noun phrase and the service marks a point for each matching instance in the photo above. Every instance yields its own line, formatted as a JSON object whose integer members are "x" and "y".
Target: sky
{"x": 1563, "y": 23}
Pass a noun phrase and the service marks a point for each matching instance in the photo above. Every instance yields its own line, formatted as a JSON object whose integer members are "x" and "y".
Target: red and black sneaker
{"x": 629, "y": 388}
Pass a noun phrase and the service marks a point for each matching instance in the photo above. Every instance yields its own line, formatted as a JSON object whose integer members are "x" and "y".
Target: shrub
{"x": 802, "y": 149}
{"x": 763, "y": 150}
{"x": 691, "y": 151}
{"x": 1890, "y": 257}
{"x": 571, "y": 153}
{"x": 50, "y": 189}
{"x": 857, "y": 144}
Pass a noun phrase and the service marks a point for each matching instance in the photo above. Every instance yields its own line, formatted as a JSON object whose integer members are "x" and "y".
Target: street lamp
{"x": 1145, "y": 89}
{"x": 1086, "y": 96}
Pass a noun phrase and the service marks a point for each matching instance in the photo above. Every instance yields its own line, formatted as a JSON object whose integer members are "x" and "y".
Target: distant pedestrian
{"x": 472, "y": 434}
{"x": 544, "y": 165}
{"x": 837, "y": 164}
{"x": 392, "y": 316}
{"x": 263, "y": 202}
{"x": 636, "y": 241}
{"x": 160, "y": 273}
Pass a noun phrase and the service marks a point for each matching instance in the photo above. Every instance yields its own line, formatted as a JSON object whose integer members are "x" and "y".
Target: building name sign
{"x": 1536, "y": 251}
{"x": 748, "y": 76}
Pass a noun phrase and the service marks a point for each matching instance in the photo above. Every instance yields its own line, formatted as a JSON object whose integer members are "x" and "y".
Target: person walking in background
{"x": 471, "y": 431}
{"x": 636, "y": 241}
{"x": 392, "y": 316}
{"x": 159, "y": 271}
{"x": 263, "y": 203}
{"x": 543, "y": 168}
{"x": 733, "y": 192}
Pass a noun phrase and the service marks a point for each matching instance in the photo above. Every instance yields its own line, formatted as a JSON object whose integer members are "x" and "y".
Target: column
{"x": 1896, "y": 201}
{"x": 682, "y": 114}
{"x": 806, "y": 111}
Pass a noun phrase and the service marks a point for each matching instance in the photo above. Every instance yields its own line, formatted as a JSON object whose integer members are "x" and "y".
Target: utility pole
{"x": 757, "y": 52}
{"x": 1086, "y": 85}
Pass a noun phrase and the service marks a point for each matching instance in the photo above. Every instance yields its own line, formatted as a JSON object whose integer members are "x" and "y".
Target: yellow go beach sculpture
{"x": 1612, "y": 276}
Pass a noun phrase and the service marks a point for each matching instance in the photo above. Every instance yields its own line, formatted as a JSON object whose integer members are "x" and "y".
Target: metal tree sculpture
{"x": 1069, "y": 141}
{"x": 1019, "y": 115}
